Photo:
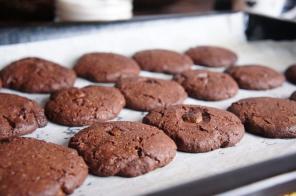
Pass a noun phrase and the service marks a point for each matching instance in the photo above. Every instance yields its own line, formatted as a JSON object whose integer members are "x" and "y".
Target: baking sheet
{"x": 177, "y": 34}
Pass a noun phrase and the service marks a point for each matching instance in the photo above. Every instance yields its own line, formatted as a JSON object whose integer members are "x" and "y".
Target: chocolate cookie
{"x": 256, "y": 77}
{"x": 19, "y": 116}
{"x": 207, "y": 85}
{"x": 123, "y": 148}
{"x": 291, "y": 74}
{"x": 211, "y": 56}
{"x": 266, "y": 116}
{"x": 293, "y": 96}
{"x": 33, "y": 167}
{"x": 85, "y": 106}
{"x": 105, "y": 67}
{"x": 35, "y": 75}
{"x": 165, "y": 61}
{"x": 145, "y": 94}
{"x": 197, "y": 128}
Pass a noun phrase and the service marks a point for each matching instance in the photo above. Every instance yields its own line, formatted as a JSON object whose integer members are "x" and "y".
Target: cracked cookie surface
{"x": 145, "y": 94}
{"x": 256, "y": 77}
{"x": 207, "y": 85}
{"x": 84, "y": 106}
{"x": 212, "y": 56}
{"x": 33, "y": 167}
{"x": 105, "y": 67}
{"x": 197, "y": 128}
{"x": 19, "y": 116}
{"x": 35, "y": 75}
{"x": 266, "y": 116}
{"x": 123, "y": 148}
{"x": 165, "y": 61}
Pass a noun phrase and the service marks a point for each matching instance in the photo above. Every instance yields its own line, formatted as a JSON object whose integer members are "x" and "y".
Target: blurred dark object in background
{"x": 151, "y": 4}
{"x": 143, "y": 7}
{"x": 26, "y": 10}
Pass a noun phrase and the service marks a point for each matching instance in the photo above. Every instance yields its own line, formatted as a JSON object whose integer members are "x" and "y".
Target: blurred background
{"x": 105, "y": 10}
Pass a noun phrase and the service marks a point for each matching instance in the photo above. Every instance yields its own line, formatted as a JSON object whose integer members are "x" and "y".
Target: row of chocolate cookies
{"x": 28, "y": 74}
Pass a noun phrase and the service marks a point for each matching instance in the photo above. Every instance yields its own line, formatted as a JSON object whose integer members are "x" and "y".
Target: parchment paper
{"x": 179, "y": 35}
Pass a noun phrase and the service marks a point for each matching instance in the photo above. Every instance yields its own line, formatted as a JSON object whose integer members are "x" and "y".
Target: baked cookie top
{"x": 36, "y": 75}
{"x": 123, "y": 148}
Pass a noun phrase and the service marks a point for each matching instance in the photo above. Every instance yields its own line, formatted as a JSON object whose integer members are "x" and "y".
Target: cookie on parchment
{"x": 266, "y": 116}
{"x": 105, "y": 67}
{"x": 212, "y": 56}
{"x": 123, "y": 148}
{"x": 256, "y": 77}
{"x": 293, "y": 96}
{"x": 207, "y": 85}
{"x": 19, "y": 116}
{"x": 84, "y": 106}
{"x": 35, "y": 75}
{"x": 33, "y": 167}
{"x": 197, "y": 128}
{"x": 290, "y": 74}
{"x": 164, "y": 61}
{"x": 144, "y": 94}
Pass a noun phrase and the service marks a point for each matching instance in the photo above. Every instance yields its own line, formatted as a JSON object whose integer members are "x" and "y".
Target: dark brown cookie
{"x": 256, "y": 77}
{"x": 145, "y": 94}
{"x": 85, "y": 106}
{"x": 293, "y": 96}
{"x": 266, "y": 116}
{"x": 291, "y": 74}
{"x": 165, "y": 61}
{"x": 123, "y": 148}
{"x": 211, "y": 56}
{"x": 33, "y": 167}
{"x": 207, "y": 85}
{"x": 105, "y": 67}
{"x": 35, "y": 75}
{"x": 19, "y": 116}
{"x": 197, "y": 128}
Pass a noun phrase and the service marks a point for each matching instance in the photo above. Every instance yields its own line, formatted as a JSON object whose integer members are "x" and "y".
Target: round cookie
{"x": 266, "y": 116}
{"x": 85, "y": 106}
{"x": 207, "y": 85}
{"x": 290, "y": 74}
{"x": 35, "y": 75}
{"x": 165, "y": 61}
{"x": 145, "y": 94}
{"x": 211, "y": 56}
{"x": 19, "y": 116}
{"x": 256, "y": 77}
{"x": 33, "y": 167}
{"x": 197, "y": 128}
{"x": 126, "y": 149}
{"x": 105, "y": 67}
